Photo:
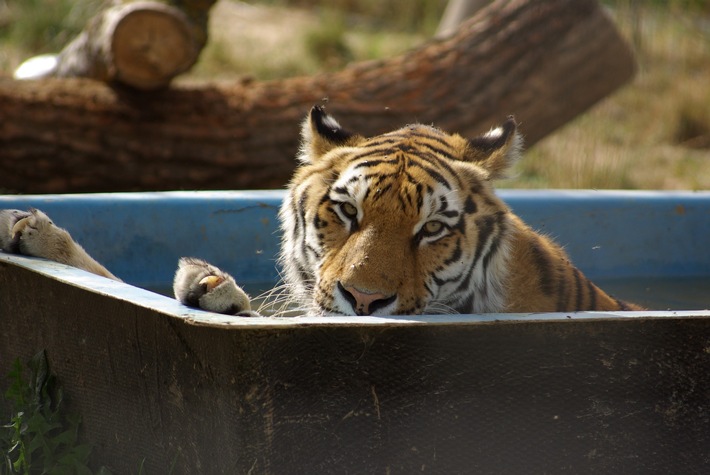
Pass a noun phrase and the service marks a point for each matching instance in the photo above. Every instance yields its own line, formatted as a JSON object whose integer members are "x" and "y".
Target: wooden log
{"x": 142, "y": 44}
{"x": 546, "y": 61}
{"x": 457, "y": 11}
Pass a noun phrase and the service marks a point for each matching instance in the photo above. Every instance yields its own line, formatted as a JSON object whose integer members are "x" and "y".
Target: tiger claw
{"x": 211, "y": 281}
{"x": 19, "y": 226}
{"x": 9, "y": 229}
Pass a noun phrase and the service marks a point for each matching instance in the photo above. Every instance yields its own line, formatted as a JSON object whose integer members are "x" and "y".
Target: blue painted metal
{"x": 140, "y": 236}
{"x": 624, "y": 233}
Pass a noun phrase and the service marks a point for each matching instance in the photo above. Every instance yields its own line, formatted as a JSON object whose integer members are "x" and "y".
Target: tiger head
{"x": 401, "y": 223}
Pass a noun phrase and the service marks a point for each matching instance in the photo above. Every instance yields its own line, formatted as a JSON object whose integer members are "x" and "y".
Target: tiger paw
{"x": 202, "y": 285}
{"x": 32, "y": 233}
{"x": 9, "y": 241}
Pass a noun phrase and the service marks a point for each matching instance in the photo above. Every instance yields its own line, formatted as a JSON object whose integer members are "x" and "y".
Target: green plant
{"x": 40, "y": 438}
{"x": 46, "y": 25}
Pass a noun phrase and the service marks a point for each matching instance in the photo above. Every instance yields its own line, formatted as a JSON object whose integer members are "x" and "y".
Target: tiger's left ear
{"x": 496, "y": 150}
{"x": 321, "y": 133}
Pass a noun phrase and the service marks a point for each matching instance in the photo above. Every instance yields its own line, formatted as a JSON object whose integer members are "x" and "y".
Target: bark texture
{"x": 457, "y": 11}
{"x": 544, "y": 61}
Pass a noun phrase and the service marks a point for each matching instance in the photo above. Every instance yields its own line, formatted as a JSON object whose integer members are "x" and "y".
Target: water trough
{"x": 163, "y": 385}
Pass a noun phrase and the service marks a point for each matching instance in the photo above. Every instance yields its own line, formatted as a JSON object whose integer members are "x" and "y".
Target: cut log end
{"x": 151, "y": 45}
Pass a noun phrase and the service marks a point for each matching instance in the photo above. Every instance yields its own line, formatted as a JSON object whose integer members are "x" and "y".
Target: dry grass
{"x": 652, "y": 134}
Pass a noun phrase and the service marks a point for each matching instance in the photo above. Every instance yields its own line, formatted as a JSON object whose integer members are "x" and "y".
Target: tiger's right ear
{"x": 497, "y": 150}
{"x": 321, "y": 133}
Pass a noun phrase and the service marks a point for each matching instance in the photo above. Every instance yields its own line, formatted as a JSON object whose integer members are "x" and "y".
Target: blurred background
{"x": 652, "y": 134}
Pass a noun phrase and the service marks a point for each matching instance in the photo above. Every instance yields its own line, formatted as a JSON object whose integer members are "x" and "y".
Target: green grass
{"x": 39, "y": 436}
{"x": 652, "y": 134}
{"x": 30, "y": 27}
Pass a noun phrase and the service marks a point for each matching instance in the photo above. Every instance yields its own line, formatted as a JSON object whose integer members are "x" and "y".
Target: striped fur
{"x": 407, "y": 223}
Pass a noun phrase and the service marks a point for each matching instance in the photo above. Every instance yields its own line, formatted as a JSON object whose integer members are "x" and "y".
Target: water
{"x": 679, "y": 293}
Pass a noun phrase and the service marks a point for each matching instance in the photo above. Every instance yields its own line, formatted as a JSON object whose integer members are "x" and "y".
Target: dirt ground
{"x": 249, "y": 39}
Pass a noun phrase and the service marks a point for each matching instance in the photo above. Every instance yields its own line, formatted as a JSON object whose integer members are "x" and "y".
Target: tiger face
{"x": 402, "y": 223}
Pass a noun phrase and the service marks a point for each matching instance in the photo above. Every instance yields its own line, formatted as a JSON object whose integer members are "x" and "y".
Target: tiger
{"x": 403, "y": 223}
{"x": 408, "y": 222}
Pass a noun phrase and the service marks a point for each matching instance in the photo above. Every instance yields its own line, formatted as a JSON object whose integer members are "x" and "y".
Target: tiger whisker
{"x": 439, "y": 308}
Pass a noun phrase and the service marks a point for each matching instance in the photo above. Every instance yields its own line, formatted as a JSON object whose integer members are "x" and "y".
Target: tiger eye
{"x": 433, "y": 227}
{"x": 349, "y": 210}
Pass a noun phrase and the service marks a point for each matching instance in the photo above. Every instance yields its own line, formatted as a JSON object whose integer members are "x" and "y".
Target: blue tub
{"x": 161, "y": 385}
{"x": 648, "y": 246}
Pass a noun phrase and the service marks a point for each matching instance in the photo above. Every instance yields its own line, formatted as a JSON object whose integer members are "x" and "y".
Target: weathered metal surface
{"x": 514, "y": 394}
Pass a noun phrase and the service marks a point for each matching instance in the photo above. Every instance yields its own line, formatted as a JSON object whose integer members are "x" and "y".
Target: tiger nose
{"x": 364, "y": 303}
